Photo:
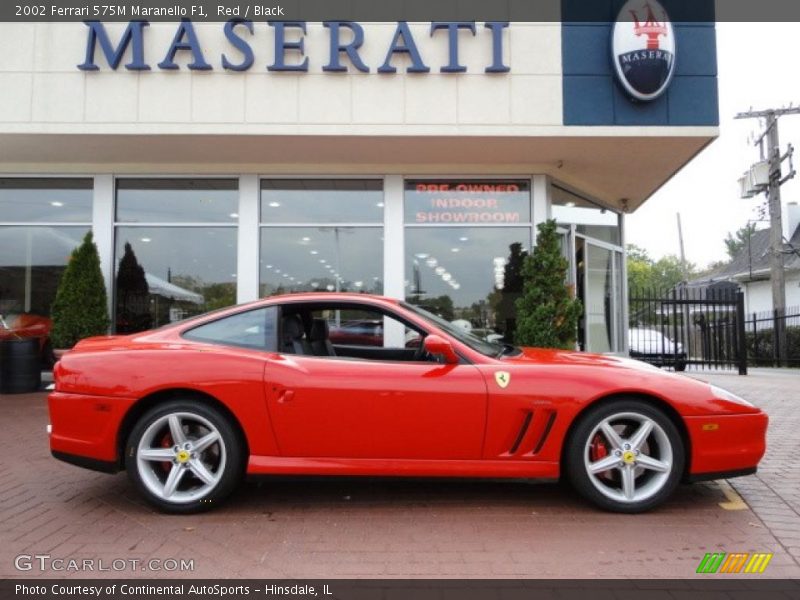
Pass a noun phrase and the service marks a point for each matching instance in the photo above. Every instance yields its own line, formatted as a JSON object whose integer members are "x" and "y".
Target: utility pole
{"x": 773, "y": 190}
{"x": 684, "y": 270}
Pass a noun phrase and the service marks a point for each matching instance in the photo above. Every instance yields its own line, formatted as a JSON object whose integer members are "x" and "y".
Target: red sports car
{"x": 189, "y": 409}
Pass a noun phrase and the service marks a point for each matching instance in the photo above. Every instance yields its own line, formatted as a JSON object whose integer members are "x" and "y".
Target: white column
{"x": 393, "y": 239}
{"x": 623, "y": 347}
{"x": 540, "y": 193}
{"x": 248, "y": 245}
{"x": 103, "y": 230}
{"x": 393, "y": 255}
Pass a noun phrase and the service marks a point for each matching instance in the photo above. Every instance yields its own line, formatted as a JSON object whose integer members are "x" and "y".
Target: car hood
{"x": 549, "y": 356}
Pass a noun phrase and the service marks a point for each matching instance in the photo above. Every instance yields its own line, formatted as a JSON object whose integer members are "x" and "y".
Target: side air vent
{"x": 545, "y": 433}
{"x": 522, "y": 431}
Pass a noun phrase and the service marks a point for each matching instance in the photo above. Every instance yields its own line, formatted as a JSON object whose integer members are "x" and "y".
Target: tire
{"x": 203, "y": 477}
{"x": 640, "y": 476}
{"x": 48, "y": 356}
{"x": 680, "y": 366}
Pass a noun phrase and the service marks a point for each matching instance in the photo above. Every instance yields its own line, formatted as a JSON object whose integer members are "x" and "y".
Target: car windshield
{"x": 479, "y": 345}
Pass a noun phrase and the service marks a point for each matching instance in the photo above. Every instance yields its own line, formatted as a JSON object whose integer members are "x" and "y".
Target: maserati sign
{"x": 643, "y": 49}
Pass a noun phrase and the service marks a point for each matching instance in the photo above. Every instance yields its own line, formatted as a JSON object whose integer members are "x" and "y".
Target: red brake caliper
{"x": 598, "y": 450}
{"x": 166, "y": 442}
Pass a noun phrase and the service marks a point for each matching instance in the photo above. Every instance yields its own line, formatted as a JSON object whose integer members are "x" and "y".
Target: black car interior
{"x": 304, "y": 334}
{"x": 293, "y": 335}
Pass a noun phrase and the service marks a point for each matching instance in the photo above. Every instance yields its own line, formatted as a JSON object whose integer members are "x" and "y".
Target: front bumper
{"x": 726, "y": 444}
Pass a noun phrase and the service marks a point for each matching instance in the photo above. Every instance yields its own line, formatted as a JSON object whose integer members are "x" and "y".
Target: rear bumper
{"x": 104, "y": 466}
{"x": 84, "y": 427}
{"x": 726, "y": 445}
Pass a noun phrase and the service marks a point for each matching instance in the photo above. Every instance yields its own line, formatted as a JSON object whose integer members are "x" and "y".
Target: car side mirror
{"x": 438, "y": 346}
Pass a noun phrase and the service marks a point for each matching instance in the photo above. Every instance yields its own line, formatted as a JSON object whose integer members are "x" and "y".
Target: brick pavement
{"x": 774, "y": 492}
{"x": 366, "y": 527}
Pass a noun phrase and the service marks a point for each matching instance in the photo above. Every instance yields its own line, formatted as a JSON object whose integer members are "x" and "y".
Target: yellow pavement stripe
{"x": 735, "y": 501}
{"x": 767, "y": 558}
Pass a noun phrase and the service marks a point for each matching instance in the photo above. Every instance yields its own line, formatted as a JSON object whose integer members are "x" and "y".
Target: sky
{"x": 756, "y": 70}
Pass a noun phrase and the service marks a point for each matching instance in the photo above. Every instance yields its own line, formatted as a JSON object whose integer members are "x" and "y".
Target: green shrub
{"x": 761, "y": 345}
{"x": 80, "y": 308}
{"x": 547, "y": 314}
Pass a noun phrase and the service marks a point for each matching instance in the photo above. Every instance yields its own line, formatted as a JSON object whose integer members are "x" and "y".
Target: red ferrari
{"x": 190, "y": 409}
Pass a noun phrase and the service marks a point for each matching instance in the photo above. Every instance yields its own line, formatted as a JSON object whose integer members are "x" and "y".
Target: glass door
{"x": 600, "y": 283}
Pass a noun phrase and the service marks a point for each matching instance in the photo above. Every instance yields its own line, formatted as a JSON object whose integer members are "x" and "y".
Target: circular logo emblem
{"x": 643, "y": 49}
{"x": 628, "y": 457}
{"x": 183, "y": 456}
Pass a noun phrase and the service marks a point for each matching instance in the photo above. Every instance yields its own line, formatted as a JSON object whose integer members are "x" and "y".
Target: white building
{"x": 264, "y": 162}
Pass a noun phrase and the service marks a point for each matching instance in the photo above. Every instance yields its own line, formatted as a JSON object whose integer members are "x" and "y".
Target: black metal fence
{"x": 701, "y": 327}
{"x": 762, "y": 344}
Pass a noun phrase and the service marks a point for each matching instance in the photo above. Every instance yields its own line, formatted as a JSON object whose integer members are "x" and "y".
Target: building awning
{"x": 621, "y": 166}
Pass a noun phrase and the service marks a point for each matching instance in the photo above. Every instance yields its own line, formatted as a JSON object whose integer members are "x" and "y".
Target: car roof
{"x": 328, "y": 296}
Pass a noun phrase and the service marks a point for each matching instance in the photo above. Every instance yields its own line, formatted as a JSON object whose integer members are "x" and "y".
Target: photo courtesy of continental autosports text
{"x": 310, "y": 299}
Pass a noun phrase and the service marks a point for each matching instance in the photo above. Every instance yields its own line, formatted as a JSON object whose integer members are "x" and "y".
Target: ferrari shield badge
{"x": 503, "y": 378}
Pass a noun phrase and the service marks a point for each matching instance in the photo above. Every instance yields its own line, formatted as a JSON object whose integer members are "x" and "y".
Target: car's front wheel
{"x": 625, "y": 456}
{"x": 184, "y": 456}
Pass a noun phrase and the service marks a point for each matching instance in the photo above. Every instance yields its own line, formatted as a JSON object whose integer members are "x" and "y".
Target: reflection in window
{"x": 177, "y": 200}
{"x": 308, "y": 259}
{"x": 591, "y": 219}
{"x": 321, "y": 201}
{"x": 467, "y": 275}
{"x": 165, "y": 274}
{"x": 33, "y": 257}
{"x": 32, "y": 261}
{"x": 46, "y": 200}
{"x": 256, "y": 329}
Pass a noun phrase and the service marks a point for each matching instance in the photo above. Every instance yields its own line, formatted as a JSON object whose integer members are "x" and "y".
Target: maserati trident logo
{"x": 503, "y": 378}
{"x": 643, "y": 49}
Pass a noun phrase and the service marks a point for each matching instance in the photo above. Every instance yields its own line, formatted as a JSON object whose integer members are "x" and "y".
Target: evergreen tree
{"x": 547, "y": 315}
{"x": 80, "y": 309}
{"x": 737, "y": 241}
{"x": 133, "y": 310}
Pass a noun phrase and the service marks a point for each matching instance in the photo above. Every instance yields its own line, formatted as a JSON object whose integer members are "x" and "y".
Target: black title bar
{"x": 387, "y": 10}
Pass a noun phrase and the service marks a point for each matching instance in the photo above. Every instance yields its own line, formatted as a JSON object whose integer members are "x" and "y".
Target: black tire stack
{"x": 20, "y": 366}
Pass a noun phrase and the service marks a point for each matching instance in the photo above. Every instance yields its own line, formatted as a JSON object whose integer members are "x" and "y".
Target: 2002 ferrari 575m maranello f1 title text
{"x": 278, "y": 386}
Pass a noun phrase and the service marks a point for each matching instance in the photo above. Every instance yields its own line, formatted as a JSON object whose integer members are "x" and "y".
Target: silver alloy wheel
{"x": 181, "y": 457}
{"x": 639, "y": 459}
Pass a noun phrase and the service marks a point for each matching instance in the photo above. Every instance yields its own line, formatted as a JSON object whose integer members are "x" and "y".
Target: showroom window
{"x": 175, "y": 250}
{"x": 465, "y": 242}
{"x": 42, "y": 220}
{"x": 321, "y": 235}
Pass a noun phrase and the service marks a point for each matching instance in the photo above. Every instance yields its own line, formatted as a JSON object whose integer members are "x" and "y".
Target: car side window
{"x": 256, "y": 329}
{"x": 367, "y": 328}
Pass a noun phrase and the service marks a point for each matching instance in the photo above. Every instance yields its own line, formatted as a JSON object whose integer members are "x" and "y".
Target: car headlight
{"x": 724, "y": 394}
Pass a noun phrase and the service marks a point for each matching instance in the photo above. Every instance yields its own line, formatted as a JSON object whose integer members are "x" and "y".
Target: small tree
{"x": 547, "y": 314}
{"x": 80, "y": 310}
{"x": 133, "y": 310}
{"x": 735, "y": 242}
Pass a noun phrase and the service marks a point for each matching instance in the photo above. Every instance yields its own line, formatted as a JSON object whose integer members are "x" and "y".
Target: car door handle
{"x": 286, "y": 396}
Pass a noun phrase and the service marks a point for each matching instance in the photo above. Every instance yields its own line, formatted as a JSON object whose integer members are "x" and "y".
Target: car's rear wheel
{"x": 184, "y": 456}
{"x": 625, "y": 456}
